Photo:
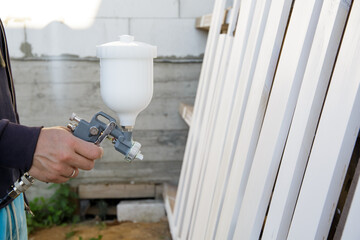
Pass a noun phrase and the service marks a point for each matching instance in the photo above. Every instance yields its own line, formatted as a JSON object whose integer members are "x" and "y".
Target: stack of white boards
{"x": 275, "y": 121}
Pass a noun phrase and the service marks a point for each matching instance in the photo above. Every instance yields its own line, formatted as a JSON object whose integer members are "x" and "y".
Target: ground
{"x": 106, "y": 231}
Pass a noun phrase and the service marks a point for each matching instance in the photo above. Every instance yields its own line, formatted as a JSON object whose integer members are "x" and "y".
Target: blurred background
{"x": 52, "y": 45}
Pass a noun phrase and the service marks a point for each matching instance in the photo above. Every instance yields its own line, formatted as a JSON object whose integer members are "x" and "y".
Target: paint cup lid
{"x": 126, "y": 47}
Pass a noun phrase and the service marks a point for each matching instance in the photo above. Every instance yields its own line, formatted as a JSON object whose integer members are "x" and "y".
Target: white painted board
{"x": 334, "y": 141}
{"x": 265, "y": 67}
{"x": 217, "y": 108}
{"x": 185, "y": 177}
{"x": 205, "y": 134}
{"x": 282, "y": 101}
{"x": 195, "y": 155}
{"x": 318, "y": 71}
{"x": 245, "y": 37}
{"x": 208, "y": 166}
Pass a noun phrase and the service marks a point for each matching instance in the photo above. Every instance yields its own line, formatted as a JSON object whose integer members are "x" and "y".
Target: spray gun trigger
{"x": 109, "y": 128}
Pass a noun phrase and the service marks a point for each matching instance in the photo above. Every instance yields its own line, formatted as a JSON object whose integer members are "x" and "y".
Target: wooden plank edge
{"x": 169, "y": 196}
{"x": 204, "y": 22}
{"x": 348, "y": 199}
{"x": 186, "y": 112}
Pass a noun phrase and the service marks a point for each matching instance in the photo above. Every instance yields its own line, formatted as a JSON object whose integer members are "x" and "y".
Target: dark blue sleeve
{"x": 17, "y": 145}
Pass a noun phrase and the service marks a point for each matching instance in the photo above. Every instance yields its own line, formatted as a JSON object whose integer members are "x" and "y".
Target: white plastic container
{"x": 126, "y": 77}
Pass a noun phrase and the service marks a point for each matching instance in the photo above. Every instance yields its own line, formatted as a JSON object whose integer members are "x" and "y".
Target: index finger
{"x": 87, "y": 149}
{"x": 79, "y": 161}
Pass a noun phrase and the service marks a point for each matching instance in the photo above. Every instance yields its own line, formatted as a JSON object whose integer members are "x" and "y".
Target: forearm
{"x": 17, "y": 145}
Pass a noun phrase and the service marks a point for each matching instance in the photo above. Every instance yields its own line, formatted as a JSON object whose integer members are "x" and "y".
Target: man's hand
{"x": 59, "y": 155}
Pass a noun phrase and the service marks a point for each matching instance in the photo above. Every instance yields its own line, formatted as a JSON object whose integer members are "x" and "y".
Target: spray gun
{"x": 96, "y": 131}
{"x": 126, "y": 86}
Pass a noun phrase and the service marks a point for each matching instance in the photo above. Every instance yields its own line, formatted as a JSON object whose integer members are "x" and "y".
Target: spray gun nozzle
{"x": 139, "y": 156}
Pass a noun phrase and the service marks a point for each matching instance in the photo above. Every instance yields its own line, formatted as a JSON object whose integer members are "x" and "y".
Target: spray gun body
{"x": 96, "y": 131}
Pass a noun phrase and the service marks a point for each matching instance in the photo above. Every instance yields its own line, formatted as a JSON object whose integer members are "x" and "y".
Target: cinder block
{"x": 184, "y": 72}
{"x": 59, "y": 38}
{"x": 173, "y": 37}
{"x": 139, "y": 9}
{"x": 42, "y": 12}
{"x": 15, "y": 36}
{"x": 191, "y": 8}
{"x": 140, "y": 211}
{"x": 169, "y": 24}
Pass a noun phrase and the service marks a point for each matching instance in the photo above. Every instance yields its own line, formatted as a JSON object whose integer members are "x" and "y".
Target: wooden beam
{"x": 137, "y": 171}
{"x": 204, "y": 22}
{"x": 169, "y": 196}
{"x": 186, "y": 112}
{"x": 103, "y": 191}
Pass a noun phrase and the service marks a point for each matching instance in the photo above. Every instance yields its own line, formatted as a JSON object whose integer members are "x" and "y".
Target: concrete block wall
{"x": 65, "y": 27}
{"x": 52, "y": 45}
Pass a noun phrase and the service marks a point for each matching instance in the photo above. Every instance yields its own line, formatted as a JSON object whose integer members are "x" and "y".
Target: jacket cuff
{"x": 18, "y": 144}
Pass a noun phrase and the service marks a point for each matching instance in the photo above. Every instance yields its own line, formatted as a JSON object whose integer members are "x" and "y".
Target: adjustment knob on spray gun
{"x": 96, "y": 131}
